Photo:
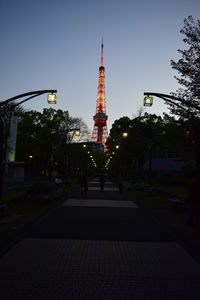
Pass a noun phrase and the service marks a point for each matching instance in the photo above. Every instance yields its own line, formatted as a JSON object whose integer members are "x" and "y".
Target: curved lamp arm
{"x": 32, "y": 94}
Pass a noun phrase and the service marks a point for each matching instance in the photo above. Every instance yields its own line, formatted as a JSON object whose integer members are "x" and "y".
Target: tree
{"x": 118, "y": 127}
{"x": 149, "y": 136}
{"x": 135, "y": 149}
{"x": 188, "y": 67}
{"x": 46, "y": 137}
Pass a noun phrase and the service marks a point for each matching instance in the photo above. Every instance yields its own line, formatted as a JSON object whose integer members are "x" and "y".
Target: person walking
{"x": 83, "y": 183}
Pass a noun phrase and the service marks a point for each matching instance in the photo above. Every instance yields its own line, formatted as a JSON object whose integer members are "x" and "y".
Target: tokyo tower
{"x": 100, "y": 132}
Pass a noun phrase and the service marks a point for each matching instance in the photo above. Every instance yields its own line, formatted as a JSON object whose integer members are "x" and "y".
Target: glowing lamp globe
{"x": 148, "y": 101}
{"x": 124, "y": 134}
{"x": 52, "y": 99}
{"x": 77, "y": 133}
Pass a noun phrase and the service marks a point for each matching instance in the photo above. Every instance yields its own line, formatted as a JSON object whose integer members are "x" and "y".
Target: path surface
{"x": 103, "y": 246}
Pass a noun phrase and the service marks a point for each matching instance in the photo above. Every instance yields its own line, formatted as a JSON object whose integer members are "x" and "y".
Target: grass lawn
{"x": 155, "y": 201}
{"x": 171, "y": 188}
{"x": 158, "y": 200}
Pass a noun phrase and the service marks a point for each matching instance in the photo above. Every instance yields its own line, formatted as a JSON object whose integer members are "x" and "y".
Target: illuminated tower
{"x": 100, "y": 132}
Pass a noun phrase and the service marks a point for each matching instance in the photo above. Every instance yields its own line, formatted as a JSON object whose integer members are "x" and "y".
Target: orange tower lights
{"x": 100, "y": 132}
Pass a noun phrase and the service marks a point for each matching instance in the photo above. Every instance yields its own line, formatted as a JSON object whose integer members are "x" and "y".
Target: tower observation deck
{"x": 100, "y": 132}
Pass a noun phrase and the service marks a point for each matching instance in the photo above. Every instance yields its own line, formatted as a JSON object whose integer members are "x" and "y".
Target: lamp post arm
{"x": 34, "y": 93}
{"x": 17, "y": 104}
{"x": 159, "y": 95}
{"x": 178, "y": 105}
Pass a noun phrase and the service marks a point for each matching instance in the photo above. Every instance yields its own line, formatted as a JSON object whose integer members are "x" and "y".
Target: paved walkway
{"x": 101, "y": 246}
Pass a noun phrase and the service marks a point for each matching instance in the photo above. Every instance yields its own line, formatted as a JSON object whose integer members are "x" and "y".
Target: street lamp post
{"x": 30, "y": 95}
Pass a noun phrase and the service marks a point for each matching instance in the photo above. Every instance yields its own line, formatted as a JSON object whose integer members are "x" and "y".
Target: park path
{"x": 102, "y": 245}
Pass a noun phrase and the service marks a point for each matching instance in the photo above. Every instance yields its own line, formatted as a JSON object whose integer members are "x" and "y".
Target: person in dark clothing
{"x": 83, "y": 183}
{"x": 102, "y": 180}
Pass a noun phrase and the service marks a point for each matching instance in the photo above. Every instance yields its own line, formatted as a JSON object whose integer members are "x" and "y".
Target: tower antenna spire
{"x": 102, "y": 53}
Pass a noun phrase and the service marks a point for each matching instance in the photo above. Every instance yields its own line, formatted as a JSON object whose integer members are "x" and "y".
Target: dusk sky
{"x": 56, "y": 45}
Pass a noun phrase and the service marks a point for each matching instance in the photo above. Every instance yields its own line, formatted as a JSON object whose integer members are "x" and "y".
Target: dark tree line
{"x": 44, "y": 138}
{"x": 147, "y": 135}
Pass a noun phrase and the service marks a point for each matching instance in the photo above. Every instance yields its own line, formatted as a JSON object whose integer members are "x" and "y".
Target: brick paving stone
{"x": 84, "y": 269}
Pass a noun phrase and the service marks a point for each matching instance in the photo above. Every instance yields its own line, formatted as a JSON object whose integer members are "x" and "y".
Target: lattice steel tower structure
{"x": 100, "y": 132}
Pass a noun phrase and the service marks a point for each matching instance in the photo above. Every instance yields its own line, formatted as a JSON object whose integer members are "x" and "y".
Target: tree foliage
{"x": 46, "y": 136}
{"x": 147, "y": 135}
{"x": 188, "y": 67}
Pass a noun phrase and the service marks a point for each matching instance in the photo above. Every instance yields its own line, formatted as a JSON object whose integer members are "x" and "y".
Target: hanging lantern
{"x": 52, "y": 98}
{"x": 148, "y": 101}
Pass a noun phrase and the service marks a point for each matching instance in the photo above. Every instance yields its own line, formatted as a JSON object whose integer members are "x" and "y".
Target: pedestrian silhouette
{"x": 83, "y": 183}
{"x": 120, "y": 182}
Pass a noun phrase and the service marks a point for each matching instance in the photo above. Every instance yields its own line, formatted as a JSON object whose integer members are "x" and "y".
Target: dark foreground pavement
{"x": 103, "y": 246}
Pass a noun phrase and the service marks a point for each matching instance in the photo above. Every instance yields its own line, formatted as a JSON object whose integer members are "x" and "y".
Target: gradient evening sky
{"x": 49, "y": 44}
